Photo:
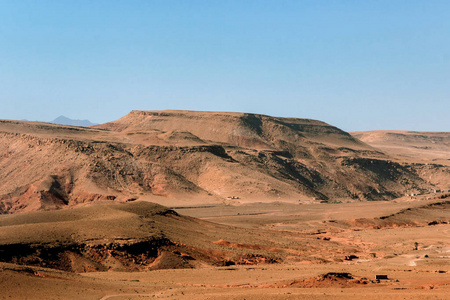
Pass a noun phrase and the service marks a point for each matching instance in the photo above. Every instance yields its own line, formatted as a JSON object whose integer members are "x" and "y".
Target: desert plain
{"x": 199, "y": 205}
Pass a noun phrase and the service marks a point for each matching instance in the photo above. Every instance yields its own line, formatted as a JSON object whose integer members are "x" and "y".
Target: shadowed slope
{"x": 428, "y": 152}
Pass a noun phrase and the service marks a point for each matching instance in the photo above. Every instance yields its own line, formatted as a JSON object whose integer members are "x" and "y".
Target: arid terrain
{"x": 203, "y": 205}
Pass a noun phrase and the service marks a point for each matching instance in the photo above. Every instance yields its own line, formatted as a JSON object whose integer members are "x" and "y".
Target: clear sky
{"x": 358, "y": 65}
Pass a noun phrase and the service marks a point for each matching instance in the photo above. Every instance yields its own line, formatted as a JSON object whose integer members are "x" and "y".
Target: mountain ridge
{"x": 186, "y": 157}
{"x": 63, "y": 120}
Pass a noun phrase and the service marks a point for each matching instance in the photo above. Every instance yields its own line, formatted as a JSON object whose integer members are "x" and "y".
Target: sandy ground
{"x": 424, "y": 281}
{"x": 412, "y": 274}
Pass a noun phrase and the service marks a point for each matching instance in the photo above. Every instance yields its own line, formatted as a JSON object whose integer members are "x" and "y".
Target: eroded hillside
{"x": 427, "y": 152}
{"x": 186, "y": 158}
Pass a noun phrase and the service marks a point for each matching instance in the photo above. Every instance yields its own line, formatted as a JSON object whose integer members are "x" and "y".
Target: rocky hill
{"x": 187, "y": 158}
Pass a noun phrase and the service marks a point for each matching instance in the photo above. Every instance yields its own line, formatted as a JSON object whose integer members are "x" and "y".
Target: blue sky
{"x": 358, "y": 65}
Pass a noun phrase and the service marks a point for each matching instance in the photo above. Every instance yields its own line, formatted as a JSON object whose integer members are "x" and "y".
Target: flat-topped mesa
{"x": 404, "y": 137}
{"x": 238, "y": 129}
{"x": 187, "y": 157}
{"x": 415, "y": 146}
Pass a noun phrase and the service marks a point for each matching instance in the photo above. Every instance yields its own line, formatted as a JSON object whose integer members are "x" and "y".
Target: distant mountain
{"x": 62, "y": 120}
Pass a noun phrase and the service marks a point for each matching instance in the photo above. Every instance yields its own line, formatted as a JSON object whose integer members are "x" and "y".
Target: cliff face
{"x": 193, "y": 157}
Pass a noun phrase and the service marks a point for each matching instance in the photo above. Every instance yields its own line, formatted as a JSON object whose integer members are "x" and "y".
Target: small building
{"x": 379, "y": 277}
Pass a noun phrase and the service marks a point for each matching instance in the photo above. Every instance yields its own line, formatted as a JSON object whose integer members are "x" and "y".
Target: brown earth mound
{"x": 332, "y": 279}
{"x": 123, "y": 237}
